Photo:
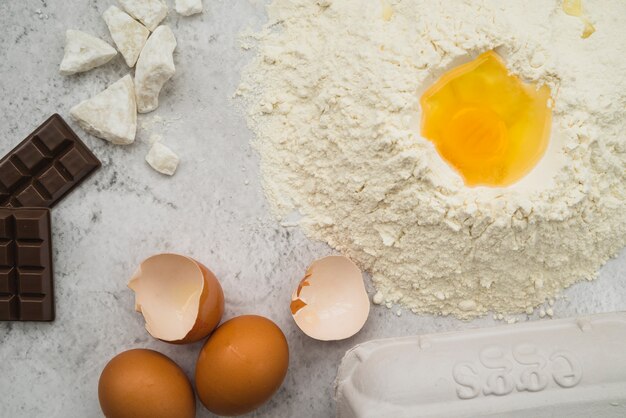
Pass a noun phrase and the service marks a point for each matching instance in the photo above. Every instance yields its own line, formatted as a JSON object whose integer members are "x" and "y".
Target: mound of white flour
{"x": 333, "y": 97}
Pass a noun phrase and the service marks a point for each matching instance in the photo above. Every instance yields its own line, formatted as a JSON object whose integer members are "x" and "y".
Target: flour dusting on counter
{"x": 333, "y": 97}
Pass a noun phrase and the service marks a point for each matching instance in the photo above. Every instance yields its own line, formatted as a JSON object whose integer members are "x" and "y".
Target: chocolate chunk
{"x": 46, "y": 166}
{"x": 26, "y": 292}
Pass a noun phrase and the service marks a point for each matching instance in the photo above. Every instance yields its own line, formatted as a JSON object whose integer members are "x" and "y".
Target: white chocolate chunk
{"x": 112, "y": 114}
{"x": 129, "y": 35}
{"x": 188, "y": 7}
{"x": 162, "y": 159}
{"x": 148, "y": 12}
{"x": 154, "y": 67}
{"x": 84, "y": 52}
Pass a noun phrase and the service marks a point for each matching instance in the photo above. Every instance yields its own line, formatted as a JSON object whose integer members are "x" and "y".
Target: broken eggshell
{"x": 331, "y": 302}
{"x": 181, "y": 300}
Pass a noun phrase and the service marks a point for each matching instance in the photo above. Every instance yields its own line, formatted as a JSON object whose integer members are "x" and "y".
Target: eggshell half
{"x": 145, "y": 384}
{"x": 330, "y": 302}
{"x": 181, "y": 300}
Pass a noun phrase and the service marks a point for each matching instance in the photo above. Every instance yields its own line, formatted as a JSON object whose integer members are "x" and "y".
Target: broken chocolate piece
{"x": 26, "y": 291}
{"x": 46, "y": 166}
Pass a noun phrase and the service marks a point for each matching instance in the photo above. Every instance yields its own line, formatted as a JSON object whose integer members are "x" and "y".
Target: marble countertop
{"x": 213, "y": 209}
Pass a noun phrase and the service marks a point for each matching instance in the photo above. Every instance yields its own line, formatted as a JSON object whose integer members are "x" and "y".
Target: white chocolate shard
{"x": 84, "y": 52}
{"x": 154, "y": 68}
{"x": 162, "y": 159}
{"x": 129, "y": 35}
{"x": 188, "y": 7}
{"x": 110, "y": 115}
{"x": 148, "y": 12}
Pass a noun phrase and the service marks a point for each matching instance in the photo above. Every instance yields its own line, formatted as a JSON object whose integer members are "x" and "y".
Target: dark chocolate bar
{"x": 44, "y": 167}
{"x": 26, "y": 292}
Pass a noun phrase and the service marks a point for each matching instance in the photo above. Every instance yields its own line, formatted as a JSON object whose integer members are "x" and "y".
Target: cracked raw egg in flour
{"x": 488, "y": 124}
{"x": 330, "y": 302}
{"x": 181, "y": 300}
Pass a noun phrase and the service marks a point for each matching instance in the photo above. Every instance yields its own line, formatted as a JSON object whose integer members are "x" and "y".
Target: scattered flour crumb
{"x": 378, "y": 298}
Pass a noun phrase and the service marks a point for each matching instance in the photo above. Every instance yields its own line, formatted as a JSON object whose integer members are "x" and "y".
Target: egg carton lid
{"x": 569, "y": 367}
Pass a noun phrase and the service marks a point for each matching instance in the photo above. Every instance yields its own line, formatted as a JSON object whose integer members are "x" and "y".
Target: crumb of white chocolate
{"x": 188, "y": 7}
{"x": 162, "y": 159}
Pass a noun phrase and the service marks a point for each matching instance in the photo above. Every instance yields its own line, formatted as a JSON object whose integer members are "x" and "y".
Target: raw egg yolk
{"x": 486, "y": 123}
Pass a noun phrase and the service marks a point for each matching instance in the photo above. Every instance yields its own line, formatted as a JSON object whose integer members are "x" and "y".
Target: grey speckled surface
{"x": 213, "y": 209}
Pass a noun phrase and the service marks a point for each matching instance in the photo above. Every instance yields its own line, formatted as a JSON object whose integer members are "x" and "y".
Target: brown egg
{"x": 145, "y": 384}
{"x": 241, "y": 365}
